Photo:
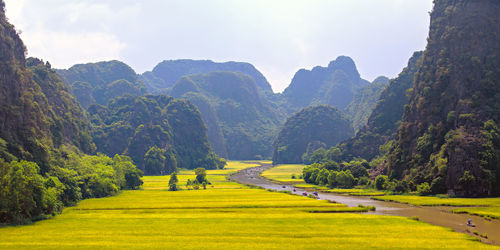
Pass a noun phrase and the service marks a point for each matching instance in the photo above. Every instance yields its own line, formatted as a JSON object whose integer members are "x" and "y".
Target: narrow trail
{"x": 436, "y": 215}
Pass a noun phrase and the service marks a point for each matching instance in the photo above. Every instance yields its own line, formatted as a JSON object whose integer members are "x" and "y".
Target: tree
{"x": 172, "y": 183}
{"x": 154, "y": 161}
{"x": 381, "y": 182}
{"x": 201, "y": 175}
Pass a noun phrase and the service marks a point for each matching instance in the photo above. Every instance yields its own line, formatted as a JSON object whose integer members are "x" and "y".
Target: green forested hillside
{"x": 449, "y": 134}
{"x": 334, "y": 85}
{"x": 100, "y": 82}
{"x": 159, "y": 133}
{"x": 311, "y": 128}
{"x": 167, "y": 73}
{"x": 43, "y": 132}
{"x": 364, "y": 101}
{"x": 234, "y": 108}
{"x": 383, "y": 122}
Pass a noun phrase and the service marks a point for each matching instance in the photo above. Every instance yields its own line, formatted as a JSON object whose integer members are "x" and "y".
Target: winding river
{"x": 438, "y": 215}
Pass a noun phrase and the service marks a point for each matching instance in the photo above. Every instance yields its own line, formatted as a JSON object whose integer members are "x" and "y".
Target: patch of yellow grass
{"x": 283, "y": 173}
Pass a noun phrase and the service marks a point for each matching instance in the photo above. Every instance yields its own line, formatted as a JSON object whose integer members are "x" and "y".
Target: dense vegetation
{"x": 374, "y": 139}
{"x": 43, "y": 135}
{"x": 364, "y": 101}
{"x": 159, "y": 133}
{"x": 450, "y": 133}
{"x": 167, "y": 73}
{"x": 448, "y": 139}
{"x": 99, "y": 82}
{"x": 311, "y": 128}
{"x": 241, "y": 122}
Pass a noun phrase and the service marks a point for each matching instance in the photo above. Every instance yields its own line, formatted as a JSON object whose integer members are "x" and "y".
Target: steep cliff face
{"x": 383, "y": 122}
{"x": 450, "y": 128}
{"x": 36, "y": 112}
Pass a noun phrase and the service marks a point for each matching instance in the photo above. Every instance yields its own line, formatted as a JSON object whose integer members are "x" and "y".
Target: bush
{"x": 381, "y": 182}
{"x": 424, "y": 189}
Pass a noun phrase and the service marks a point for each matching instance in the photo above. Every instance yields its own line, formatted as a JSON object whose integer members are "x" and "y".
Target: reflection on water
{"x": 438, "y": 215}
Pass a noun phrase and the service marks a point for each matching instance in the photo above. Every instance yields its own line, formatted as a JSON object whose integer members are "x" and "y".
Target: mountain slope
{"x": 167, "y": 73}
{"x": 364, "y": 101}
{"x": 320, "y": 125}
{"x": 450, "y": 129}
{"x": 232, "y": 107}
{"x": 334, "y": 85}
{"x": 141, "y": 127}
{"x": 100, "y": 82}
{"x": 383, "y": 122}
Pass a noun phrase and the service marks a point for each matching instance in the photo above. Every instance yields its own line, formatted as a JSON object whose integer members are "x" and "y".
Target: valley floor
{"x": 227, "y": 215}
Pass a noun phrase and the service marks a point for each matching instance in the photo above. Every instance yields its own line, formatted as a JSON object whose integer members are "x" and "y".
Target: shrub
{"x": 424, "y": 189}
{"x": 381, "y": 182}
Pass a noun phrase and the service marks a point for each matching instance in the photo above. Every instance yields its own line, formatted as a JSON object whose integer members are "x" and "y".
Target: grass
{"x": 436, "y": 201}
{"x": 354, "y": 191}
{"x": 233, "y": 217}
{"x": 283, "y": 173}
{"x": 487, "y": 212}
{"x": 485, "y": 207}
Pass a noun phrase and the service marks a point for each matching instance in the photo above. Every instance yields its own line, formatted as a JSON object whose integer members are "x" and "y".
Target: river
{"x": 436, "y": 215}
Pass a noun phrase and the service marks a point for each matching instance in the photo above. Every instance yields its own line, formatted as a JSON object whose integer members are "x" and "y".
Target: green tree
{"x": 381, "y": 182}
{"x": 201, "y": 175}
{"x": 155, "y": 161}
{"x": 172, "y": 183}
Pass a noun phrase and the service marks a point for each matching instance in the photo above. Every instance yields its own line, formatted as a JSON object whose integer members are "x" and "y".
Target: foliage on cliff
{"x": 240, "y": 120}
{"x": 159, "y": 133}
{"x": 319, "y": 126}
{"x": 450, "y": 130}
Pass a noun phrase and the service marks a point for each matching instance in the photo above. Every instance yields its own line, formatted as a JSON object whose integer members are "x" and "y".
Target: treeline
{"x": 27, "y": 195}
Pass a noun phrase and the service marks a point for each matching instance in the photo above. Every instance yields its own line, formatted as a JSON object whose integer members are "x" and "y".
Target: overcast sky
{"x": 277, "y": 36}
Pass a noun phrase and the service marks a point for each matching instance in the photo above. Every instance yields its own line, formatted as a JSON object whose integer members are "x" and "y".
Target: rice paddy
{"x": 283, "y": 173}
{"x": 227, "y": 216}
{"x": 485, "y": 207}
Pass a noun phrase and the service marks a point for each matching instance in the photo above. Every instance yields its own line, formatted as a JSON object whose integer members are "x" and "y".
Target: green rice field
{"x": 227, "y": 216}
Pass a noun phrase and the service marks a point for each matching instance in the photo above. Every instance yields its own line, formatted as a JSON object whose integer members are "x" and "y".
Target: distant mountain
{"x": 364, "y": 101}
{"x": 320, "y": 125}
{"x": 100, "y": 82}
{"x": 169, "y": 128}
{"x": 167, "y": 73}
{"x": 241, "y": 122}
{"x": 385, "y": 119}
{"x": 449, "y": 137}
{"x": 334, "y": 85}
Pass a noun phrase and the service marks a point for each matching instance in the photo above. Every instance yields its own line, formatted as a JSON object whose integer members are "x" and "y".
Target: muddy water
{"x": 440, "y": 216}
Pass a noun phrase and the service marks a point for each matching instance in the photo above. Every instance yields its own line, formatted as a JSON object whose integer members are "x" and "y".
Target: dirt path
{"x": 440, "y": 216}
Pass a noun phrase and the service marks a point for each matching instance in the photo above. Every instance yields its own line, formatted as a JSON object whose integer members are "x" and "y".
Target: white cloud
{"x": 65, "y": 49}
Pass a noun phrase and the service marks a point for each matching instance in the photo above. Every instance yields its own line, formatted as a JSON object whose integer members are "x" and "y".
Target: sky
{"x": 278, "y": 37}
